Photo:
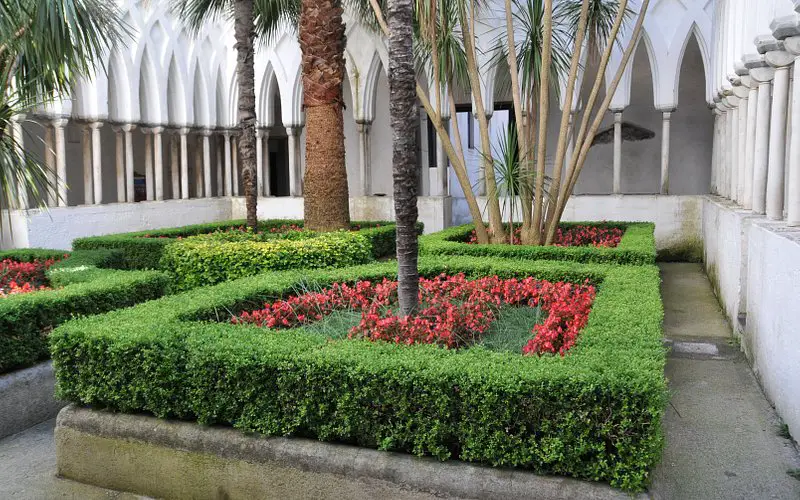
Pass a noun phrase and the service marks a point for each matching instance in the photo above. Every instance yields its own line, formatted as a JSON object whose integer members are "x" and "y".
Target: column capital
{"x": 759, "y": 70}
{"x": 767, "y": 43}
{"x": 183, "y": 130}
{"x": 731, "y": 101}
{"x": 792, "y": 45}
{"x": 128, "y": 127}
{"x": 617, "y": 116}
{"x": 157, "y": 130}
{"x": 59, "y": 122}
{"x": 741, "y": 90}
{"x": 205, "y": 132}
{"x": 363, "y": 126}
{"x": 116, "y": 128}
{"x": 95, "y": 125}
{"x": 779, "y": 59}
{"x": 293, "y": 130}
{"x": 261, "y": 133}
{"x": 666, "y": 113}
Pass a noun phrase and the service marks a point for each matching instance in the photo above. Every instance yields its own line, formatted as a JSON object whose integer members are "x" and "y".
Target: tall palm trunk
{"x": 404, "y": 118}
{"x": 245, "y": 35}
{"x": 322, "y": 41}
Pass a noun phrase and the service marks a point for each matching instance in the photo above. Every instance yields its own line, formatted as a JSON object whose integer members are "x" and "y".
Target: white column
{"x": 724, "y": 156}
{"x": 119, "y": 163}
{"x": 665, "y": 118}
{"x": 712, "y": 188}
{"x": 750, "y": 143}
{"x": 235, "y": 162}
{"x": 16, "y": 132}
{"x": 61, "y": 161}
{"x": 50, "y": 161}
{"x": 293, "y": 134}
{"x": 227, "y": 135}
{"x": 174, "y": 163}
{"x": 97, "y": 163}
{"x": 442, "y": 162}
{"x": 158, "y": 157}
{"x": 220, "y": 167}
{"x": 780, "y": 60}
{"x": 198, "y": 166}
{"x": 206, "y": 162}
{"x": 148, "y": 163}
{"x": 763, "y": 75}
{"x": 617, "y": 172}
{"x": 792, "y": 45}
{"x": 481, "y": 162}
{"x": 88, "y": 188}
{"x": 364, "y": 157}
{"x": 130, "y": 192}
{"x": 733, "y": 145}
{"x": 743, "y": 93}
{"x": 260, "y": 161}
{"x": 266, "y": 170}
{"x": 184, "y": 163}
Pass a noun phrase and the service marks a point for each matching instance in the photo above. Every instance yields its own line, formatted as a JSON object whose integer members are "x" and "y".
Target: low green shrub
{"x": 205, "y": 260}
{"x": 81, "y": 287}
{"x": 144, "y": 249}
{"x": 637, "y": 246}
{"x": 594, "y": 413}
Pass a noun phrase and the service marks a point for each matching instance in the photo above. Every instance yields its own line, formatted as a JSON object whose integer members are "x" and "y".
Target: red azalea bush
{"x": 23, "y": 277}
{"x": 454, "y": 312}
{"x": 573, "y": 236}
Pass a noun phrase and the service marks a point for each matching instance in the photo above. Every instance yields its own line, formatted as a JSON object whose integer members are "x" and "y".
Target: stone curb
{"x": 26, "y": 398}
{"x": 98, "y": 437}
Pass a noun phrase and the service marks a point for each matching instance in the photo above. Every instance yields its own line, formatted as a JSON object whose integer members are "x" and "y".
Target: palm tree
{"x": 403, "y": 112}
{"x": 322, "y": 42}
{"x": 44, "y": 46}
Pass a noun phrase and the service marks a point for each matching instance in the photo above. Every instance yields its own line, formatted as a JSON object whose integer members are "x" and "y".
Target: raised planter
{"x": 26, "y": 398}
{"x": 168, "y": 459}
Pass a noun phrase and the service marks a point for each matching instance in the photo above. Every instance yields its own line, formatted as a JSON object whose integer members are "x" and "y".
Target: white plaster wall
{"x": 57, "y": 227}
{"x": 772, "y": 335}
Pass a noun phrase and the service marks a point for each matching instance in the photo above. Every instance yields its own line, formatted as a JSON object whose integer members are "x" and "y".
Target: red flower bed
{"x": 574, "y": 236}
{"x": 454, "y": 312}
{"x": 23, "y": 277}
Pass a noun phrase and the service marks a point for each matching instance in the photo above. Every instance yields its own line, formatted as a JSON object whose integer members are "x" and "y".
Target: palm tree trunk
{"x": 245, "y": 34}
{"x": 404, "y": 118}
{"x": 322, "y": 42}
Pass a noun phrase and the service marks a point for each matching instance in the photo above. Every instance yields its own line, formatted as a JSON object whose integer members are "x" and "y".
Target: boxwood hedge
{"x": 82, "y": 286}
{"x": 594, "y": 413}
{"x": 144, "y": 249}
{"x": 637, "y": 247}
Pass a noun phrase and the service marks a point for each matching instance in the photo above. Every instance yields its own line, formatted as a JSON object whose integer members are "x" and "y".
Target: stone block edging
{"x": 26, "y": 398}
{"x": 155, "y": 457}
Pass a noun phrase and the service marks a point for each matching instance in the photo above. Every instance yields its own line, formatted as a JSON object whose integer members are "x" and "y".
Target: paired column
{"x": 119, "y": 162}
{"x": 158, "y": 162}
{"x": 184, "y": 135}
{"x": 199, "y": 182}
{"x": 206, "y": 134}
{"x": 741, "y": 91}
{"x": 220, "y": 155}
{"x": 617, "y": 172}
{"x": 666, "y": 115}
{"x": 715, "y": 152}
{"x": 227, "y": 135}
{"x": 295, "y": 173}
{"x": 732, "y": 102}
{"x": 148, "y": 163}
{"x": 780, "y": 60}
{"x": 750, "y": 140}
{"x": 61, "y": 161}
{"x": 262, "y": 161}
{"x": 364, "y": 157}
{"x": 723, "y": 157}
{"x": 235, "y": 161}
{"x": 130, "y": 192}
{"x": 174, "y": 164}
{"x": 50, "y": 162}
{"x": 16, "y": 131}
{"x": 86, "y": 143}
{"x": 442, "y": 162}
{"x": 762, "y": 75}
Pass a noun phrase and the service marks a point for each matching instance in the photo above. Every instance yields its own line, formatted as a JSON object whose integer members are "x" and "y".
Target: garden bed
{"x": 592, "y": 413}
{"x": 579, "y": 241}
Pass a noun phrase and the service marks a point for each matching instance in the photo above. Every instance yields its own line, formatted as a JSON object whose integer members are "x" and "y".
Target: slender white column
{"x": 174, "y": 164}
{"x": 220, "y": 154}
{"x": 260, "y": 161}
{"x": 227, "y": 136}
{"x": 714, "y": 152}
{"x": 792, "y": 45}
{"x": 364, "y": 157}
{"x": 724, "y": 157}
{"x": 50, "y": 161}
{"x": 148, "y": 163}
{"x": 742, "y": 92}
{"x": 206, "y": 134}
{"x": 733, "y": 146}
{"x": 16, "y": 132}
{"x": 665, "y": 118}
{"x": 199, "y": 183}
{"x": 481, "y": 161}
{"x": 158, "y": 162}
{"x": 295, "y": 186}
{"x": 88, "y": 189}
{"x": 762, "y": 75}
{"x": 617, "y": 172}
{"x": 97, "y": 163}
{"x": 780, "y": 60}
{"x": 267, "y": 168}
{"x": 61, "y": 161}
{"x": 750, "y": 143}
{"x": 235, "y": 161}
{"x": 130, "y": 192}
{"x": 184, "y": 163}
{"x": 119, "y": 163}
{"x": 442, "y": 163}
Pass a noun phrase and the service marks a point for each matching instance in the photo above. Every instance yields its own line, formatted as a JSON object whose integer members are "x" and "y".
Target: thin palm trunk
{"x": 403, "y": 112}
{"x": 245, "y": 36}
{"x": 322, "y": 41}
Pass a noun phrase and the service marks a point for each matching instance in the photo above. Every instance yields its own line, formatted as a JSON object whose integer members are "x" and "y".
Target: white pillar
{"x": 733, "y": 146}
{"x": 119, "y": 163}
{"x": 16, "y": 132}
{"x": 148, "y": 163}
{"x": 617, "y": 172}
{"x": 61, "y": 161}
{"x": 665, "y": 118}
{"x": 50, "y": 161}
{"x": 88, "y": 188}
{"x": 763, "y": 75}
{"x": 364, "y": 157}
{"x": 792, "y": 45}
{"x": 198, "y": 166}
{"x": 442, "y": 162}
{"x": 741, "y": 141}
{"x": 184, "y": 163}
{"x": 724, "y": 156}
{"x": 750, "y": 143}
{"x": 295, "y": 186}
{"x": 481, "y": 159}
{"x": 174, "y": 163}
{"x": 130, "y": 192}
{"x": 235, "y": 162}
{"x": 97, "y": 163}
{"x": 206, "y": 162}
{"x": 780, "y": 60}
{"x": 228, "y": 190}
{"x": 158, "y": 162}
{"x": 712, "y": 188}
{"x": 260, "y": 161}
{"x": 220, "y": 167}
{"x": 266, "y": 169}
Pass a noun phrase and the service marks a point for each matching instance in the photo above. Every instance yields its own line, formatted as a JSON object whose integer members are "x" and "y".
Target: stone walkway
{"x": 722, "y": 435}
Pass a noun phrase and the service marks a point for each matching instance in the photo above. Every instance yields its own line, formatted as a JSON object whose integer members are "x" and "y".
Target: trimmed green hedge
{"x": 82, "y": 287}
{"x": 140, "y": 252}
{"x": 205, "y": 260}
{"x": 594, "y": 413}
{"x": 31, "y": 254}
{"x": 637, "y": 246}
